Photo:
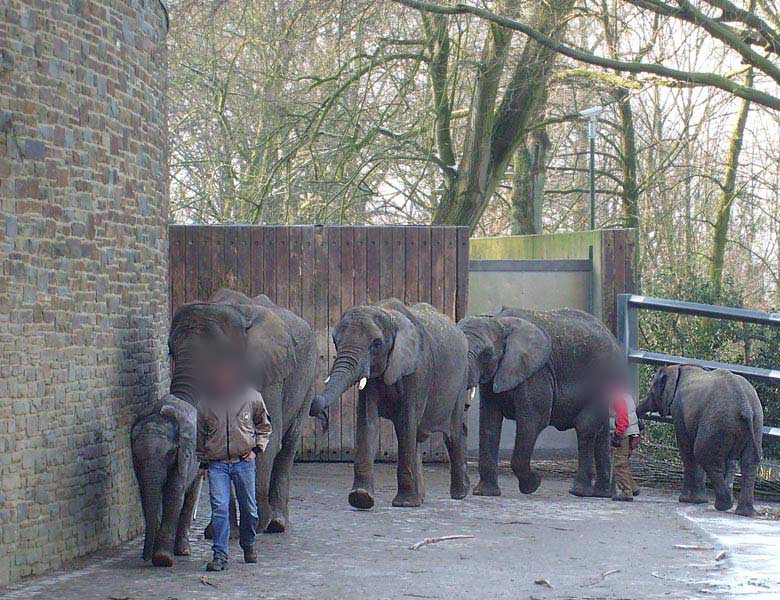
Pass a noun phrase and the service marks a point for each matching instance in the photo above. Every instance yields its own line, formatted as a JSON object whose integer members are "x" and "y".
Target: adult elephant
{"x": 539, "y": 369}
{"x": 279, "y": 354}
{"x": 410, "y": 363}
{"x": 162, "y": 439}
{"x": 718, "y": 419}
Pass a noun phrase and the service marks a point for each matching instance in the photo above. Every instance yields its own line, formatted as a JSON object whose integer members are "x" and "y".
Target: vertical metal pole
{"x": 627, "y": 331}
{"x": 592, "y": 139}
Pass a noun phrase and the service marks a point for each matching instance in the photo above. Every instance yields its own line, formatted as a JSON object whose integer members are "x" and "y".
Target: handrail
{"x": 630, "y": 304}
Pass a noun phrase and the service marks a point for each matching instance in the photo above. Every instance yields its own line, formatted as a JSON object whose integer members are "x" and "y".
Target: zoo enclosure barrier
{"x": 318, "y": 272}
{"x": 628, "y": 305}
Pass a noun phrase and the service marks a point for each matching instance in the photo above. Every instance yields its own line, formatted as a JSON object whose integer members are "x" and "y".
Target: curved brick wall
{"x": 83, "y": 269}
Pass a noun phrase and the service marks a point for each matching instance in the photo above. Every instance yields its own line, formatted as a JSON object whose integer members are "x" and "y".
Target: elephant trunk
{"x": 151, "y": 487}
{"x": 350, "y": 365}
{"x": 183, "y": 381}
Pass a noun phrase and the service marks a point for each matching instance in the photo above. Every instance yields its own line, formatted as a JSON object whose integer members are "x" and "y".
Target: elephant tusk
{"x": 327, "y": 379}
{"x": 362, "y": 383}
{"x": 472, "y": 393}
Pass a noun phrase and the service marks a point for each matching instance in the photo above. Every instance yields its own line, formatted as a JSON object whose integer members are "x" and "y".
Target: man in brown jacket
{"x": 231, "y": 433}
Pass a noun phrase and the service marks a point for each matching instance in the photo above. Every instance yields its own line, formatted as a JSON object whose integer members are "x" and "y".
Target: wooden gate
{"x": 318, "y": 272}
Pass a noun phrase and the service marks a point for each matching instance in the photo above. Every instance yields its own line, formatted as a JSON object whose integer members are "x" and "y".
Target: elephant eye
{"x": 376, "y": 343}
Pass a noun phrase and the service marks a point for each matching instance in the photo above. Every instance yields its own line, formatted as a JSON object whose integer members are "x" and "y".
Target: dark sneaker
{"x": 217, "y": 564}
{"x": 249, "y": 555}
{"x": 622, "y": 498}
{"x": 636, "y": 493}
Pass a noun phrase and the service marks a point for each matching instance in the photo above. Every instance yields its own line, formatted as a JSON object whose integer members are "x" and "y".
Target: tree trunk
{"x": 728, "y": 195}
{"x": 528, "y": 183}
{"x": 629, "y": 195}
{"x": 497, "y": 129}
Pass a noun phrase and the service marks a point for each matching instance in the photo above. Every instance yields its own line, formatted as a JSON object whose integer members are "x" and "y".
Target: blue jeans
{"x": 242, "y": 474}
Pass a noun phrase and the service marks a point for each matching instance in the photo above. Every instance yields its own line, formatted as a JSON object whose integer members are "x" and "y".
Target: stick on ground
{"x": 436, "y": 540}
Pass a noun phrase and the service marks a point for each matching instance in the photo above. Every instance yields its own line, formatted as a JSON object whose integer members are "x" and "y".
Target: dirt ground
{"x": 547, "y": 545}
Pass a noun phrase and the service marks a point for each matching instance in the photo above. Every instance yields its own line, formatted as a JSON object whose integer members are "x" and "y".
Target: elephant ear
{"x": 270, "y": 346}
{"x": 526, "y": 349}
{"x": 407, "y": 348}
{"x": 670, "y": 379}
{"x": 186, "y": 418}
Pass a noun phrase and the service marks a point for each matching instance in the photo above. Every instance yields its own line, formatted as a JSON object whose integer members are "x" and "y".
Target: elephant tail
{"x": 754, "y": 429}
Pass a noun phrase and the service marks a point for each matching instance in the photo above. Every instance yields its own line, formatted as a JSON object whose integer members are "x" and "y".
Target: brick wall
{"x": 83, "y": 269}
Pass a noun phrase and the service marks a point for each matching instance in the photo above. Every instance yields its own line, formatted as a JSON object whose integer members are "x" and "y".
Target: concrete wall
{"x": 612, "y": 250}
{"x": 577, "y": 245}
{"x": 83, "y": 269}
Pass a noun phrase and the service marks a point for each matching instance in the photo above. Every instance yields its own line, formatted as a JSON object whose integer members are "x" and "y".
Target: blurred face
{"x": 223, "y": 379}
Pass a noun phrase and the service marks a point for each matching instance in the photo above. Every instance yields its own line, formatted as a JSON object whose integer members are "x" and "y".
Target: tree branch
{"x": 702, "y": 78}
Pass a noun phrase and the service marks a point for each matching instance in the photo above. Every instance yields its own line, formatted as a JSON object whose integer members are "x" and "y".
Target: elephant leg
{"x": 601, "y": 452}
{"x": 409, "y": 475}
{"x": 418, "y": 474}
{"x": 490, "y": 420}
{"x": 731, "y": 471}
{"x": 173, "y": 498}
{"x": 279, "y": 486}
{"x": 694, "y": 490}
{"x": 528, "y": 429}
{"x": 533, "y": 402}
{"x": 265, "y": 465}
{"x": 366, "y": 444}
{"x": 715, "y": 473}
{"x": 588, "y": 426}
{"x": 456, "y": 450}
{"x": 181, "y": 546}
{"x": 748, "y": 466}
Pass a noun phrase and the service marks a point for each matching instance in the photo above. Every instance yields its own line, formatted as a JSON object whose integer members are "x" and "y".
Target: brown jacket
{"x": 228, "y": 431}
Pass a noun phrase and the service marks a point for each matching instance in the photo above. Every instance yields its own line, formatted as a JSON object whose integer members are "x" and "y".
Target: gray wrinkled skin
{"x": 280, "y": 355}
{"x": 163, "y": 439}
{"x": 414, "y": 361}
{"x": 718, "y": 420}
{"x": 543, "y": 368}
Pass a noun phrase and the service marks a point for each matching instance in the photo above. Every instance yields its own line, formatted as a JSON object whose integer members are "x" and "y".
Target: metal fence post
{"x": 627, "y": 334}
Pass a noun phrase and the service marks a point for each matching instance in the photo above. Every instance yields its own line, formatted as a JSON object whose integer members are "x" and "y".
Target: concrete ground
{"x": 547, "y": 545}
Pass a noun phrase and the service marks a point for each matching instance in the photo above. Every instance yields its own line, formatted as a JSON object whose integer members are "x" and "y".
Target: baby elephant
{"x": 163, "y": 439}
{"x": 718, "y": 419}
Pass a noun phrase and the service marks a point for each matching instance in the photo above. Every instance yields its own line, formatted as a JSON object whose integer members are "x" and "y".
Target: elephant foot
{"x": 459, "y": 492}
{"x": 362, "y": 499}
{"x": 162, "y": 559}
{"x": 693, "y": 498}
{"x": 407, "y": 500}
{"x": 746, "y": 510}
{"x": 182, "y": 548}
{"x": 486, "y": 489}
{"x": 723, "y": 504}
{"x": 600, "y": 491}
{"x": 583, "y": 490}
{"x": 530, "y": 483}
{"x": 276, "y": 525}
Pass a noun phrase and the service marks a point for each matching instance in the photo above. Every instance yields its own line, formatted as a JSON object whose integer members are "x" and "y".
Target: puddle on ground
{"x": 752, "y": 549}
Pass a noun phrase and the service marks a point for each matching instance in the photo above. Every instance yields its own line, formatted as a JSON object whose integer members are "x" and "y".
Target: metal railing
{"x": 630, "y": 304}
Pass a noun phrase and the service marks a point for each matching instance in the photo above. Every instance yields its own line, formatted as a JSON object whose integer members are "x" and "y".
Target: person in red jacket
{"x": 624, "y": 425}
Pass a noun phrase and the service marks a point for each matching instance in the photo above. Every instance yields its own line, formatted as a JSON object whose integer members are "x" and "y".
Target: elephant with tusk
{"x": 543, "y": 368}
{"x": 410, "y": 366}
